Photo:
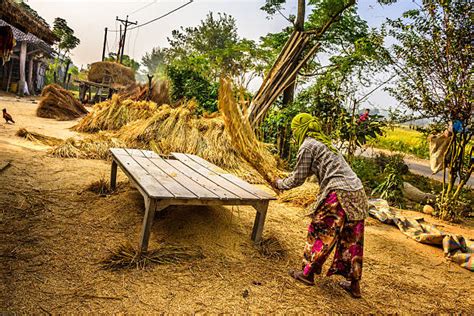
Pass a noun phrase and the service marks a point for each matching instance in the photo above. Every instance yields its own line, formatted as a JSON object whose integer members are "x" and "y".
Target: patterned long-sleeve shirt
{"x": 333, "y": 174}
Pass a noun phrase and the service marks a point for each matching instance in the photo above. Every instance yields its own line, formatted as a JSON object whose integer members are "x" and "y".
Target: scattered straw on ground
{"x": 101, "y": 187}
{"x": 38, "y": 138}
{"x": 271, "y": 248}
{"x": 127, "y": 256}
{"x": 59, "y": 104}
{"x": 302, "y": 196}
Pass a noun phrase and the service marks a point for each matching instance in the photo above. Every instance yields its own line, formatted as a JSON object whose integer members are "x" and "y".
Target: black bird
{"x": 7, "y": 117}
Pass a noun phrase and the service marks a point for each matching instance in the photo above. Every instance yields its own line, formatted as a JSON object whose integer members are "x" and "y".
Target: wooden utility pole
{"x": 126, "y": 23}
{"x": 120, "y": 44}
{"x": 105, "y": 44}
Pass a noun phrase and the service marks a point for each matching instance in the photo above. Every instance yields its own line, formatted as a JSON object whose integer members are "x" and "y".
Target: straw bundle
{"x": 242, "y": 136}
{"x": 302, "y": 196}
{"x": 126, "y": 257}
{"x": 180, "y": 130}
{"x": 114, "y": 113}
{"x": 92, "y": 147}
{"x": 59, "y": 104}
{"x": 111, "y": 72}
{"x": 37, "y": 137}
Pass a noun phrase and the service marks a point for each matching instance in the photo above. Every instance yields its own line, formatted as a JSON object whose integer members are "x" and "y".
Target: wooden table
{"x": 185, "y": 179}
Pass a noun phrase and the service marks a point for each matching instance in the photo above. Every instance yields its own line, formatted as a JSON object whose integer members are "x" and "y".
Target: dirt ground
{"x": 53, "y": 234}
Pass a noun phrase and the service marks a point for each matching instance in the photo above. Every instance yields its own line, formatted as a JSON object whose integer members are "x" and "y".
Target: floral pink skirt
{"x": 330, "y": 229}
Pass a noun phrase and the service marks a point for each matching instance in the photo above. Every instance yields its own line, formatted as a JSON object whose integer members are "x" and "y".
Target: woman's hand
{"x": 275, "y": 183}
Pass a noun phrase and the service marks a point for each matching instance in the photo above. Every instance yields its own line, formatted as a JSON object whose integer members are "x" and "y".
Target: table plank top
{"x": 184, "y": 176}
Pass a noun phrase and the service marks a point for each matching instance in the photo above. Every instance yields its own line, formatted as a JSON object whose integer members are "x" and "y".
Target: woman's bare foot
{"x": 299, "y": 276}
{"x": 353, "y": 287}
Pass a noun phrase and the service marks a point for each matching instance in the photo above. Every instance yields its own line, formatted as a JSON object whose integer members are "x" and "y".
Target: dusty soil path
{"x": 53, "y": 234}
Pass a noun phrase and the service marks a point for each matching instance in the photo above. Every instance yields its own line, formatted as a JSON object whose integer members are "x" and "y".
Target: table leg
{"x": 261, "y": 208}
{"x": 151, "y": 206}
{"x": 113, "y": 176}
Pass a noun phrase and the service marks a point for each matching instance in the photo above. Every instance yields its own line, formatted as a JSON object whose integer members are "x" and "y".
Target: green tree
{"x": 154, "y": 62}
{"x": 334, "y": 90}
{"x": 433, "y": 61}
{"x": 215, "y": 39}
{"x": 67, "y": 41}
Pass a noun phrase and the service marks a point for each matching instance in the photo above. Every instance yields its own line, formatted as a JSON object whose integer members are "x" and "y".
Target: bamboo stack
{"x": 281, "y": 75}
{"x": 292, "y": 58}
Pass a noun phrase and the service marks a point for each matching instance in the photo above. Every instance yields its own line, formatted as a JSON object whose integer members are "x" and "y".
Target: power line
{"x": 157, "y": 18}
{"x": 146, "y": 6}
{"x": 164, "y": 15}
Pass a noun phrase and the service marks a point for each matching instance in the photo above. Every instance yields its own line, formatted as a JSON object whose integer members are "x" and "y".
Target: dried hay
{"x": 114, "y": 113}
{"x": 92, "y": 147}
{"x": 111, "y": 72}
{"x": 38, "y": 138}
{"x": 180, "y": 130}
{"x": 160, "y": 92}
{"x": 127, "y": 256}
{"x": 271, "y": 248}
{"x": 242, "y": 135}
{"x": 164, "y": 129}
{"x": 101, "y": 187}
{"x": 59, "y": 104}
{"x": 302, "y": 196}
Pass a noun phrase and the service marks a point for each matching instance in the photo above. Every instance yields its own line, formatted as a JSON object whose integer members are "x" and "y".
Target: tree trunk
{"x": 289, "y": 93}
{"x": 299, "y": 23}
{"x": 68, "y": 63}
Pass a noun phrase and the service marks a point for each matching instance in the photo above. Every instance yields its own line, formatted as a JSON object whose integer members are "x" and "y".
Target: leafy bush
{"x": 188, "y": 84}
{"x": 367, "y": 171}
{"x": 391, "y": 188}
{"x": 395, "y": 162}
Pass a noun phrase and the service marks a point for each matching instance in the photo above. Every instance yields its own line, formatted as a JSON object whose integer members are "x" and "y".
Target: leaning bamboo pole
{"x": 284, "y": 70}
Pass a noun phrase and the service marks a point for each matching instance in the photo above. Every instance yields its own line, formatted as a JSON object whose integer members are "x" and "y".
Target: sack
{"x": 438, "y": 147}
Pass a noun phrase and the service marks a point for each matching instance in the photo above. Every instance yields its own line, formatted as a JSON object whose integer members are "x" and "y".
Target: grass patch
{"x": 405, "y": 140}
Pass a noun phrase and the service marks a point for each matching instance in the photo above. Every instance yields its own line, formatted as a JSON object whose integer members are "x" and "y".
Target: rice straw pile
{"x": 181, "y": 130}
{"x": 242, "y": 135}
{"x": 126, "y": 257}
{"x": 111, "y": 72}
{"x": 114, "y": 113}
{"x": 59, "y": 104}
{"x": 302, "y": 196}
{"x": 38, "y": 138}
{"x": 91, "y": 147}
{"x": 140, "y": 92}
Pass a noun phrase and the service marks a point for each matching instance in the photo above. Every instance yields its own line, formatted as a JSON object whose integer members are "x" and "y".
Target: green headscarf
{"x": 304, "y": 125}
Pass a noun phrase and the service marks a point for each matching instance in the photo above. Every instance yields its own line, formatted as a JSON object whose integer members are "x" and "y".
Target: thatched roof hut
{"x": 26, "y": 20}
{"x": 24, "y": 64}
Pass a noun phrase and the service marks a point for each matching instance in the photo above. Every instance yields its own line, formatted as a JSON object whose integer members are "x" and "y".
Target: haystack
{"x": 159, "y": 92}
{"x": 114, "y": 113}
{"x": 59, "y": 104}
{"x": 111, "y": 72}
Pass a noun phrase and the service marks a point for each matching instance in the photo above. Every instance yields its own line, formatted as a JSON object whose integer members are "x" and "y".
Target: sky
{"x": 88, "y": 18}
